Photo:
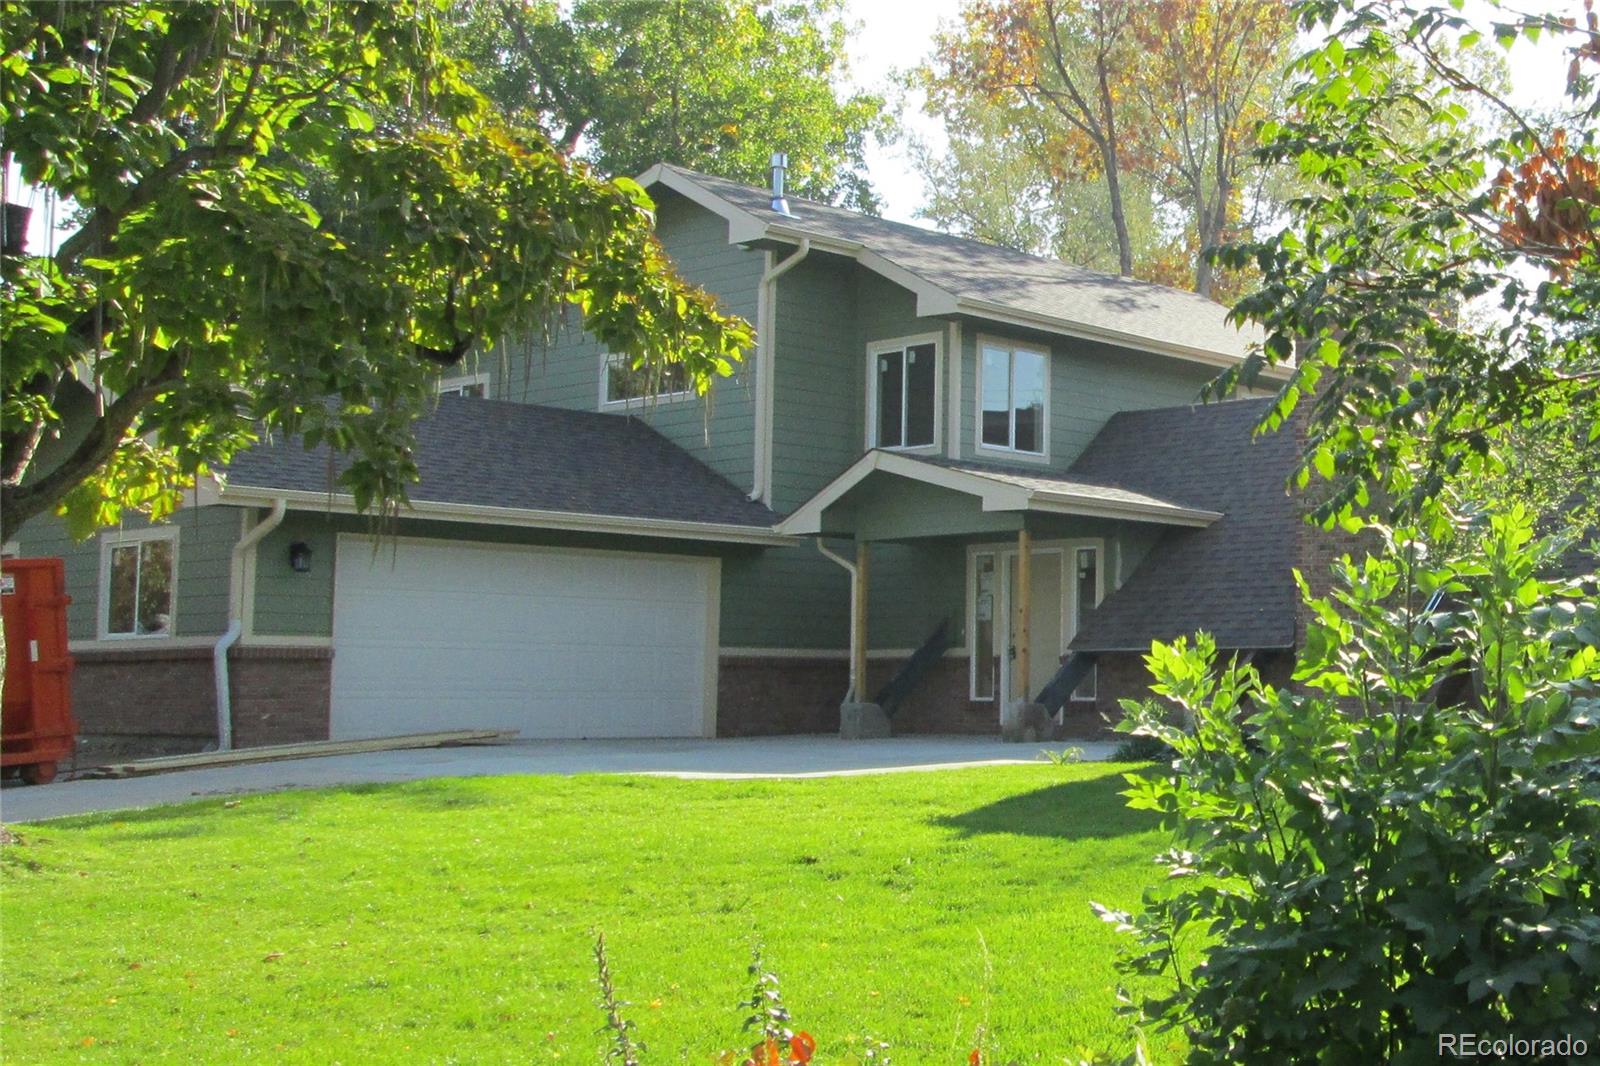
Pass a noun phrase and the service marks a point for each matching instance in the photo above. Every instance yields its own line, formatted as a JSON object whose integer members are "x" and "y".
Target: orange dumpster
{"x": 36, "y": 726}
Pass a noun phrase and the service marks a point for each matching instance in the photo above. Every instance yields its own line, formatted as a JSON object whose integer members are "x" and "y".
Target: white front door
{"x": 432, "y": 635}
{"x": 1047, "y": 608}
{"x": 1066, "y": 579}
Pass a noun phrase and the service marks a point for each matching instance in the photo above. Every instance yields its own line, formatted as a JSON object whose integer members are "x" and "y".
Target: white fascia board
{"x": 1097, "y": 507}
{"x": 694, "y": 191}
{"x": 343, "y": 503}
{"x": 992, "y": 495}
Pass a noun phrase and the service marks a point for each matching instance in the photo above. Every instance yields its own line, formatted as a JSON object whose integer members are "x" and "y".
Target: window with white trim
{"x": 472, "y": 386}
{"x": 138, "y": 578}
{"x": 623, "y": 381}
{"x": 1013, "y": 398}
{"x": 1086, "y": 596}
{"x": 905, "y": 394}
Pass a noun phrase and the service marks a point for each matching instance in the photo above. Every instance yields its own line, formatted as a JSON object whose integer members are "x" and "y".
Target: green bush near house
{"x": 1408, "y": 848}
{"x": 454, "y": 920}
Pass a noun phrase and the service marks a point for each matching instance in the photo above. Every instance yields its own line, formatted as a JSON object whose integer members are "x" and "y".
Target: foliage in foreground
{"x": 1435, "y": 294}
{"x": 777, "y": 1043}
{"x": 279, "y": 203}
{"x": 1373, "y": 864}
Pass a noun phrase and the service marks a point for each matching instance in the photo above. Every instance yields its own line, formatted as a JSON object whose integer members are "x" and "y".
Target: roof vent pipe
{"x": 780, "y": 170}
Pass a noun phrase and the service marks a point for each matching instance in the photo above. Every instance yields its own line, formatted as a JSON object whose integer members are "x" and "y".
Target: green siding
{"x": 786, "y": 598}
{"x": 1089, "y": 382}
{"x": 288, "y": 604}
{"x": 206, "y": 536}
{"x": 565, "y": 370}
{"x": 911, "y": 587}
{"x": 817, "y": 381}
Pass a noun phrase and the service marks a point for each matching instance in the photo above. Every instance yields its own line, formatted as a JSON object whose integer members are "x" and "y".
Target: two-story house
{"x": 937, "y": 444}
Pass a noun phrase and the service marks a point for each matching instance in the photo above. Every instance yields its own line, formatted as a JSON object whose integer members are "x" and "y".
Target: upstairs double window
{"x": 1013, "y": 398}
{"x": 903, "y": 393}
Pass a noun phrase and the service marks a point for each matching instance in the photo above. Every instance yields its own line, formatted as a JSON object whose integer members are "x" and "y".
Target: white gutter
{"x": 219, "y": 652}
{"x": 482, "y": 514}
{"x": 850, "y": 696}
{"x": 766, "y": 342}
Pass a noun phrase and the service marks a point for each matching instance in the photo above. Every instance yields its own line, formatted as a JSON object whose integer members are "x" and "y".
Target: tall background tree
{"x": 717, "y": 85}
{"x": 292, "y": 215}
{"x": 1154, "y": 106}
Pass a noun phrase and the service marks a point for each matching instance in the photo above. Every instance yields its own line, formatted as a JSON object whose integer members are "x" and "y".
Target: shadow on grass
{"x": 433, "y": 794}
{"x": 1072, "y": 810}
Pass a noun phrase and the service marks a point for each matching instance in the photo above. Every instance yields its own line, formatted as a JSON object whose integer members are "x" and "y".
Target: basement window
{"x": 138, "y": 571}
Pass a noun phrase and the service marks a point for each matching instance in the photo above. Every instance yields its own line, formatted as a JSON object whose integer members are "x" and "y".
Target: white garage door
{"x": 429, "y": 635}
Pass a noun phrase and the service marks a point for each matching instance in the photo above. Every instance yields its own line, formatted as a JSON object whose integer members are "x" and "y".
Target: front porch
{"x": 1002, "y": 567}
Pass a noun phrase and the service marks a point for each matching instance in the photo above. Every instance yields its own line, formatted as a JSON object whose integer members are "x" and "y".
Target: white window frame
{"x": 463, "y": 381}
{"x": 1099, "y": 547}
{"x": 611, "y": 359}
{"x": 1012, "y": 347}
{"x": 870, "y": 418}
{"x": 121, "y": 539}
{"x": 1002, "y": 550}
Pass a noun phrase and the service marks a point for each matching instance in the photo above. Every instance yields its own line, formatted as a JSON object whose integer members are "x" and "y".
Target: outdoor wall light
{"x": 300, "y": 557}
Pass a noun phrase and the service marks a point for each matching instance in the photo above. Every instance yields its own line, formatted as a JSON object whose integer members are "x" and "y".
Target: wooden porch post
{"x": 858, "y": 627}
{"x": 1022, "y": 635}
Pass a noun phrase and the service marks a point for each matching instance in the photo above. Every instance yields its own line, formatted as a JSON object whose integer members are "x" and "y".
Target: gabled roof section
{"x": 1233, "y": 578}
{"x": 998, "y": 489}
{"x": 523, "y": 464}
{"x": 956, "y": 275}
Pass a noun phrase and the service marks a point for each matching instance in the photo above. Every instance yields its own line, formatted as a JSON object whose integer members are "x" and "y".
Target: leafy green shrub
{"x": 1362, "y": 865}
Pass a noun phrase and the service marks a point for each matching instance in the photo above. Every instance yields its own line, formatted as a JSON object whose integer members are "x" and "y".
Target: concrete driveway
{"x": 807, "y": 756}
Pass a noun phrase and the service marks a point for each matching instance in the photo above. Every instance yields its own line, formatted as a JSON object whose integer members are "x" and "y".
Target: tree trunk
{"x": 1108, "y": 155}
{"x": 1209, "y": 225}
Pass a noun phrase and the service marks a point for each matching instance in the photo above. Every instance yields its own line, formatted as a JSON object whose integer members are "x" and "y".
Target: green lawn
{"x": 451, "y": 921}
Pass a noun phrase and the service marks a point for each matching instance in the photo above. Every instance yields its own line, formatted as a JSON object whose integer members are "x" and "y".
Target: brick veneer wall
{"x": 143, "y": 701}
{"x": 280, "y": 695}
{"x": 140, "y": 701}
{"x": 767, "y": 696}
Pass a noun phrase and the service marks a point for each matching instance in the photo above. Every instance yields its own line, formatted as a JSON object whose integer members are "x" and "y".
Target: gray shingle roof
{"x": 1233, "y": 578}
{"x": 1045, "y": 482}
{"x": 1003, "y": 277}
{"x": 494, "y": 454}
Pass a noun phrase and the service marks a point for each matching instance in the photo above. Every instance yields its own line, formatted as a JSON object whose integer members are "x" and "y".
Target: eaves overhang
{"x": 996, "y": 493}
{"x": 528, "y": 518}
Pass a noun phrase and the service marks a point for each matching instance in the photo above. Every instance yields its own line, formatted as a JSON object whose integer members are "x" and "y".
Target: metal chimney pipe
{"x": 780, "y": 170}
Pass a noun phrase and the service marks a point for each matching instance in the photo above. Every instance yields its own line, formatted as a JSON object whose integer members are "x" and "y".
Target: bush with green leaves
{"x": 1360, "y": 864}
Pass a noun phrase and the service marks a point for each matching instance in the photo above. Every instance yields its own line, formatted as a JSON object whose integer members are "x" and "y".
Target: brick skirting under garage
{"x": 142, "y": 701}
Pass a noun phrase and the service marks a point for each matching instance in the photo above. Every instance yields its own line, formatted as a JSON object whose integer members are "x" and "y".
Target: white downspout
{"x": 766, "y": 342}
{"x": 850, "y": 696}
{"x": 219, "y": 652}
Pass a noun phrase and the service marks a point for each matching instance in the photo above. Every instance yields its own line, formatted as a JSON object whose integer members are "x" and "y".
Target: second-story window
{"x": 905, "y": 384}
{"x": 623, "y": 383}
{"x": 1014, "y": 387}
